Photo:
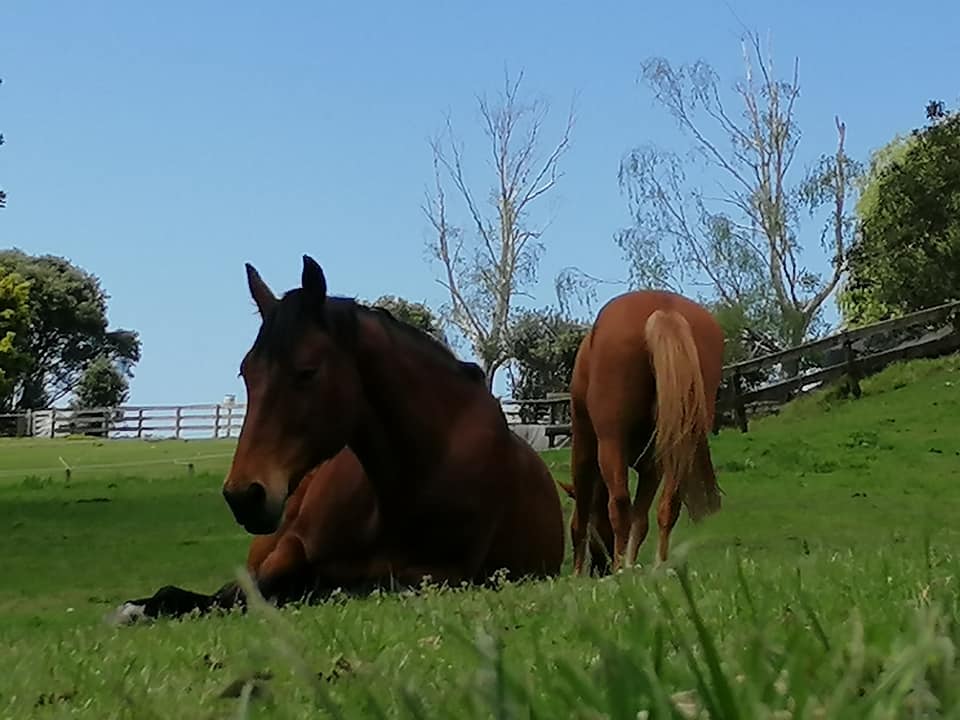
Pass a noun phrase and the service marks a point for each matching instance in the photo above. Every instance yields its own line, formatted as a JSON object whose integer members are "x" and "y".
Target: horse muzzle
{"x": 252, "y": 510}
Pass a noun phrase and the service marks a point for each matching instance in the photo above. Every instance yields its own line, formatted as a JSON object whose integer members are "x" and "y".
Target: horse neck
{"x": 412, "y": 399}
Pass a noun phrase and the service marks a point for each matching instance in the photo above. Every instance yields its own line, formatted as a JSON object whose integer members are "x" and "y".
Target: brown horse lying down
{"x": 459, "y": 496}
{"x": 326, "y": 541}
{"x": 643, "y": 395}
{"x": 329, "y": 525}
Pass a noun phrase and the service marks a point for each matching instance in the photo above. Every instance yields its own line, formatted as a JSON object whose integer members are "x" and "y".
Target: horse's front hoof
{"x": 127, "y": 614}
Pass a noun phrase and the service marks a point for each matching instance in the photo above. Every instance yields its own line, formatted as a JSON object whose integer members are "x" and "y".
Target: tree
{"x": 544, "y": 347}
{"x": 412, "y": 313}
{"x": 738, "y": 242}
{"x": 102, "y": 385}
{"x": 485, "y": 268}
{"x": 67, "y": 330}
{"x": 14, "y": 321}
{"x": 908, "y": 254}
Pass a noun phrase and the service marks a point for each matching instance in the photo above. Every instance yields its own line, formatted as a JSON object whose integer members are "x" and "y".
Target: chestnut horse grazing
{"x": 460, "y": 496}
{"x": 328, "y": 528}
{"x": 643, "y": 395}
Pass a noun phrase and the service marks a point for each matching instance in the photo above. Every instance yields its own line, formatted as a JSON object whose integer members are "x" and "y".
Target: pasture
{"x": 826, "y": 587}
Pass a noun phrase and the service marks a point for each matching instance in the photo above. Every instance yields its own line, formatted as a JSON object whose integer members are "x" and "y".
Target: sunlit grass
{"x": 826, "y": 588}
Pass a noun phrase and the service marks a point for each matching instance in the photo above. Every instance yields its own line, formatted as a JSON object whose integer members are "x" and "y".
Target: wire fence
{"x": 68, "y": 470}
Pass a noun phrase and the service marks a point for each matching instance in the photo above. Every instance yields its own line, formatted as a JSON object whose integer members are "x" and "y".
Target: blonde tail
{"x": 681, "y": 411}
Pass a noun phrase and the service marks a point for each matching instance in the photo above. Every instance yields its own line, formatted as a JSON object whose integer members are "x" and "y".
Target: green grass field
{"x": 826, "y": 588}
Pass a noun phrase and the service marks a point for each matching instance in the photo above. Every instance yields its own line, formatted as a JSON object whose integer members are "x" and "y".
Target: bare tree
{"x": 494, "y": 259}
{"x": 740, "y": 240}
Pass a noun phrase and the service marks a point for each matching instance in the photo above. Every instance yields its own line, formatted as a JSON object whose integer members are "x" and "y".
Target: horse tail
{"x": 567, "y": 488}
{"x": 681, "y": 410}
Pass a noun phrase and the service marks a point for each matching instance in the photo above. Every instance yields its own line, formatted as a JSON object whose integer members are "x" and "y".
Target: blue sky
{"x": 162, "y": 145}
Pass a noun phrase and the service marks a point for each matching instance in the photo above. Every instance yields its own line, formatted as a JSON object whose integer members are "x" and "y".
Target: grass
{"x": 827, "y": 587}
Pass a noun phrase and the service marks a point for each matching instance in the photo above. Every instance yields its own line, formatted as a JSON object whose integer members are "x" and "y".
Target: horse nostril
{"x": 246, "y": 503}
{"x": 256, "y": 495}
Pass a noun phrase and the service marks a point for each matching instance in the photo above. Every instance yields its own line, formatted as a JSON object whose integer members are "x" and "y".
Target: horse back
{"x": 619, "y": 329}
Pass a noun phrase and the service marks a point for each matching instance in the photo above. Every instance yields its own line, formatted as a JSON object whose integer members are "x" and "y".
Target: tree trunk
{"x": 490, "y": 368}
{"x": 797, "y": 331}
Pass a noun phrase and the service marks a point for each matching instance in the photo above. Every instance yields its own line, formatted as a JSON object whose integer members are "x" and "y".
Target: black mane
{"x": 441, "y": 350}
{"x": 291, "y": 316}
{"x": 340, "y": 317}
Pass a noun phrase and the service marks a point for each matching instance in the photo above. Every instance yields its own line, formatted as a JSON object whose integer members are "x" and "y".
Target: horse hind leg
{"x": 648, "y": 480}
{"x": 601, "y": 533}
{"x": 701, "y": 479}
{"x": 613, "y": 467}
{"x": 668, "y": 513}
{"x": 585, "y": 472}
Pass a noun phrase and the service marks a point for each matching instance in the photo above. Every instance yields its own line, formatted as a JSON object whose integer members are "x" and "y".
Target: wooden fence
{"x": 156, "y": 421}
{"x": 749, "y": 387}
{"x": 765, "y": 381}
{"x": 760, "y": 385}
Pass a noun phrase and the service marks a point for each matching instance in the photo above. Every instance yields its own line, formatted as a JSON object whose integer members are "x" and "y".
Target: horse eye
{"x": 306, "y": 375}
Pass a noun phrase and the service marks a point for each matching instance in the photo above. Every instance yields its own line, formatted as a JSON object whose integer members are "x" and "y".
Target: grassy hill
{"x": 825, "y": 588}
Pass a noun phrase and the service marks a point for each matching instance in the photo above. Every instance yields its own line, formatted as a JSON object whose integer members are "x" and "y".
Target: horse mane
{"x": 289, "y": 318}
{"x": 439, "y": 349}
{"x": 340, "y": 318}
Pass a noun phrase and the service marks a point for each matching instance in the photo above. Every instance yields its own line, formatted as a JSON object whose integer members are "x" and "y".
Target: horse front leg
{"x": 283, "y": 576}
{"x": 175, "y": 602}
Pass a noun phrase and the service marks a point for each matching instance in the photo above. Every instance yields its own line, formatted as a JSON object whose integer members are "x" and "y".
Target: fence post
{"x": 53, "y": 422}
{"x": 717, "y": 404}
{"x": 555, "y": 407}
{"x": 216, "y": 422}
{"x": 739, "y": 409}
{"x": 853, "y": 372}
{"x": 140, "y": 424}
{"x": 176, "y": 430}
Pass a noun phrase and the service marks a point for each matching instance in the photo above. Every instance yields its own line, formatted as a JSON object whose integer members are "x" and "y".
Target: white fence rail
{"x": 148, "y": 421}
{"x": 204, "y": 421}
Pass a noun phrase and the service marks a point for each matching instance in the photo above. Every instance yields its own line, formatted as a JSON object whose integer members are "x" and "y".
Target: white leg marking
{"x": 127, "y": 614}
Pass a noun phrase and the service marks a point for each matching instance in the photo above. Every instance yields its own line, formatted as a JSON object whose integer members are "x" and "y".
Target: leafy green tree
{"x": 67, "y": 330}
{"x": 545, "y": 344}
{"x": 412, "y": 313}
{"x": 14, "y": 321}
{"x": 102, "y": 385}
{"x": 908, "y": 254}
{"x": 749, "y": 328}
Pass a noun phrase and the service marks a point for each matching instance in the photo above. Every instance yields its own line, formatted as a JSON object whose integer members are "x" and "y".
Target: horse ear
{"x": 262, "y": 295}
{"x": 312, "y": 279}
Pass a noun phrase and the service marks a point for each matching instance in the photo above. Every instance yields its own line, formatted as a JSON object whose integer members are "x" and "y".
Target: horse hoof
{"x": 127, "y": 614}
